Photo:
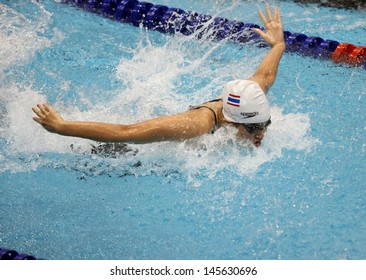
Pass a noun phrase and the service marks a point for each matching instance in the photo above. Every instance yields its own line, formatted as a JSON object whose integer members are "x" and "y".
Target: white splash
{"x": 160, "y": 79}
{"x": 20, "y": 37}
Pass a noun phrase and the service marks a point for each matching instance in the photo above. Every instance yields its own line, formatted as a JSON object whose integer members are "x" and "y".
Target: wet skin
{"x": 256, "y": 137}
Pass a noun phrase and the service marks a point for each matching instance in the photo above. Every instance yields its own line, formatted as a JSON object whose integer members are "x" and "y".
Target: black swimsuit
{"x": 216, "y": 126}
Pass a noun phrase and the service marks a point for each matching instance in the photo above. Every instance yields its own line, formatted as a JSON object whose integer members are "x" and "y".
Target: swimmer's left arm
{"x": 266, "y": 72}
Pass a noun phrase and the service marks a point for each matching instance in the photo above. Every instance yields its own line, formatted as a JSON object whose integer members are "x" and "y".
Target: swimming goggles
{"x": 255, "y": 127}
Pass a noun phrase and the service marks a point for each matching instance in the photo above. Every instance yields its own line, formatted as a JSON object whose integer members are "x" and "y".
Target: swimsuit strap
{"x": 214, "y": 100}
{"x": 216, "y": 126}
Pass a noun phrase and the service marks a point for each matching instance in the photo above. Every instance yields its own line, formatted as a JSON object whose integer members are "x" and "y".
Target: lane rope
{"x": 174, "y": 20}
{"x": 7, "y": 254}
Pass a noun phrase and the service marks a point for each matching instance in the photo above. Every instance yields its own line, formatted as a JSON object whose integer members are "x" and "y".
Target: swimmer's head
{"x": 245, "y": 102}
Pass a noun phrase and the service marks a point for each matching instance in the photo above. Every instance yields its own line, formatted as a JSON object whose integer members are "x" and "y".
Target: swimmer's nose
{"x": 259, "y": 135}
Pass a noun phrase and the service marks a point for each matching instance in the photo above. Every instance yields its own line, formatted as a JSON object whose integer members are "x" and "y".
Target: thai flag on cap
{"x": 233, "y": 100}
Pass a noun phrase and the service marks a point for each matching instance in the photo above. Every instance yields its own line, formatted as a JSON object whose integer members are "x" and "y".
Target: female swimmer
{"x": 243, "y": 104}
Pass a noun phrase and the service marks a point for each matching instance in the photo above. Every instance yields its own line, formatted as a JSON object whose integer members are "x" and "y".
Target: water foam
{"x": 206, "y": 155}
{"x": 159, "y": 78}
{"x": 21, "y": 37}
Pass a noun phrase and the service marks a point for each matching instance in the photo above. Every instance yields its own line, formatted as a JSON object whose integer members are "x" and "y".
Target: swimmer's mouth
{"x": 257, "y": 143}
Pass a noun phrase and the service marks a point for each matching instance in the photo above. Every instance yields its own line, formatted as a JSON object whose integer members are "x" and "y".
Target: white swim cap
{"x": 245, "y": 102}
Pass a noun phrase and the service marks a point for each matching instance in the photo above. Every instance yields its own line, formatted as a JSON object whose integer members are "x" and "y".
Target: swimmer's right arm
{"x": 182, "y": 126}
{"x": 54, "y": 123}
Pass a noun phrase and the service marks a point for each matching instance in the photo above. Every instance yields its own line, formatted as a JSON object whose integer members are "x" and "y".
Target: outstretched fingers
{"x": 47, "y": 117}
{"x": 277, "y": 15}
{"x": 259, "y": 32}
{"x": 38, "y": 112}
{"x": 41, "y": 111}
{"x": 262, "y": 16}
{"x": 43, "y": 108}
{"x": 268, "y": 9}
{"x": 273, "y": 33}
{"x": 48, "y": 108}
{"x": 269, "y": 15}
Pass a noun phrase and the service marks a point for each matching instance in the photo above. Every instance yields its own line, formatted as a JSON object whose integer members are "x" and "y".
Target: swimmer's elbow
{"x": 269, "y": 79}
{"x": 264, "y": 79}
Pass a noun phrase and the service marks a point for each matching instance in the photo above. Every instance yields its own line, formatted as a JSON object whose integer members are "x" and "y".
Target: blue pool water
{"x": 299, "y": 196}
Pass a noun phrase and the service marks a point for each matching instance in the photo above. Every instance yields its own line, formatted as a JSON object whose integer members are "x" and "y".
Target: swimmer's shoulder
{"x": 214, "y": 104}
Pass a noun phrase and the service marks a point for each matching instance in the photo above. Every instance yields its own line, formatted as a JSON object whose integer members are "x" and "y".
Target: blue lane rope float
{"x": 175, "y": 20}
{"x": 6, "y": 254}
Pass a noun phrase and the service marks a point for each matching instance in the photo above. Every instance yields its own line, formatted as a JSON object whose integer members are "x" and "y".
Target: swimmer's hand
{"x": 48, "y": 118}
{"x": 274, "y": 31}
{"x": 266, "y": 73}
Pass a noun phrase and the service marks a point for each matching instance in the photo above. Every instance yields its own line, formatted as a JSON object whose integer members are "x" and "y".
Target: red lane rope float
{"x": 174, "y": 20}
{"x": 342, "y": 53}
{"x": 358, "y": 56}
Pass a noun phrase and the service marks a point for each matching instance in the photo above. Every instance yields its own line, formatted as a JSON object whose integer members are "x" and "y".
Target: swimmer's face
{"x": 256, "y": 137}
{"x": 253, "y": 132}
